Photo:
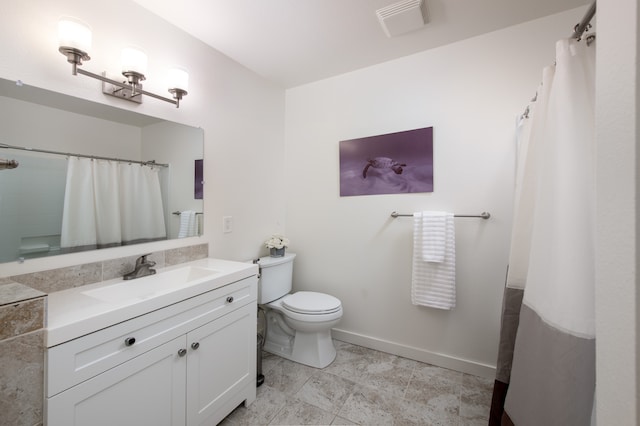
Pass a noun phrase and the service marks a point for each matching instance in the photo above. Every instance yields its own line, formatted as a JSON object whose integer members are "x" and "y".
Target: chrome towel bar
{"x": 483, "y": 215}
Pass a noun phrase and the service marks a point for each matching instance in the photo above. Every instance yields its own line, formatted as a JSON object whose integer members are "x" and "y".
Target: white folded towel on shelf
{"x": 433, "y": 280}
{"x": 188, "y": 224}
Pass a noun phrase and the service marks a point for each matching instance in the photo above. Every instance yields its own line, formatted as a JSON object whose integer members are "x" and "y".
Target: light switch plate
{"x": 227, "y": 224}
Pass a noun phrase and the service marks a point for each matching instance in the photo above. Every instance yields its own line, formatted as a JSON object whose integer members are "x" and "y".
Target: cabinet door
{"x": 147, "y": 390}
{"x": 221, "y": 366}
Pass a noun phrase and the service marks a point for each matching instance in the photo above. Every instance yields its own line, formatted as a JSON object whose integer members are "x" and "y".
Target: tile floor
{"x": 365, "y": 387}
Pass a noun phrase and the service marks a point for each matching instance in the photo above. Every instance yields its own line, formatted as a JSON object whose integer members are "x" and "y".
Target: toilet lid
{"x": 309, "y": 302}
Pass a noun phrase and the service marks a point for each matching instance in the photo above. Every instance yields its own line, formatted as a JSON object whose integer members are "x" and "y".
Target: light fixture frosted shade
{"x": 74, "y": 33}
{"x": 134, "y": 60}
{"x": 178, "y": 79}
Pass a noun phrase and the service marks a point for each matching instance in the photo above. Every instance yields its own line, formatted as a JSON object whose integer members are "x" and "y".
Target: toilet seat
{"x": 311, "y": 303}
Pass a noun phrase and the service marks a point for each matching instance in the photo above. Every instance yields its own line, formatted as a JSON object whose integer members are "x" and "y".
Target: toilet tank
{"x": 276, "y": 274}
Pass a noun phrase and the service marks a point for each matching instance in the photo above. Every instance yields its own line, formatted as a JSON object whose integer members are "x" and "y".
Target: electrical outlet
{"x": 227, "y": 224}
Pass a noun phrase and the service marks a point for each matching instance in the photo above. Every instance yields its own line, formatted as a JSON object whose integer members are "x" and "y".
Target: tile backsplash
{"x": 22, "y": 322}
{"x": 22, "y": 378}
{"x": 89, "y": 273}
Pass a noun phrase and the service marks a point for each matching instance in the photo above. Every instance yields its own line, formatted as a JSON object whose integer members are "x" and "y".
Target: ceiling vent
{"x": 402, "y": 17}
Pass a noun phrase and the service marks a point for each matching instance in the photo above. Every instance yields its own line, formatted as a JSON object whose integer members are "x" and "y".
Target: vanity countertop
{"x": 82, "y": 310}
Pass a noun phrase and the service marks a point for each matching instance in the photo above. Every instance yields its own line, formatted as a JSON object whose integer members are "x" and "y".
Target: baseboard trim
{"x": 417, "y": 354}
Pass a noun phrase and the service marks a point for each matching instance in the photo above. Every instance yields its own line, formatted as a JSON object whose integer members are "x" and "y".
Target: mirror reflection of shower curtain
{"x": 141, "y": 212}
{"x": 108, "y": 204}
{"x": 546, "y": 360}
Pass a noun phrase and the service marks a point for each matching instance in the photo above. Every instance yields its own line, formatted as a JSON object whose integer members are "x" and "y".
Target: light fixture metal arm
{"x": 124, "y": 86}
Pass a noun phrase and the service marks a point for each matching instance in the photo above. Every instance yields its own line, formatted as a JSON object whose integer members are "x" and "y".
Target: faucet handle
{"x": 142, "y": 259}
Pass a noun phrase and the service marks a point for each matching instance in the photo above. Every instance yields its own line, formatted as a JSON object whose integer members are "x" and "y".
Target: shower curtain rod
{"x": 93, "y": 157}
{"x": 8, "y": 164}
{"x": 578, "y": 30}
{"x": 583, "y": 25}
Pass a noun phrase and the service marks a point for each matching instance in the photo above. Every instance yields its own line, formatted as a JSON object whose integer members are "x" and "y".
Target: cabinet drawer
{"x": 147, "y": 390}
{"x": 85, "y": 357}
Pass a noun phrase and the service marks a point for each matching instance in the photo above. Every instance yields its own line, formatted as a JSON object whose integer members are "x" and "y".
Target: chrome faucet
{"x": 142, "y": 268}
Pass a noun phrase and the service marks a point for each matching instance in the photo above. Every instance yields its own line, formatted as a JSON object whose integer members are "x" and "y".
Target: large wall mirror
{"x": 83, "y": 180}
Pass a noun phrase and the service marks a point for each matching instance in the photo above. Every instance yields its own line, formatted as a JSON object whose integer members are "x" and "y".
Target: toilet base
{"x": 314, "y": 349}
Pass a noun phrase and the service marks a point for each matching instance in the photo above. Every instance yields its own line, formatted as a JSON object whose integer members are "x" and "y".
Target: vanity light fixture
{"x": 74, "y": 40}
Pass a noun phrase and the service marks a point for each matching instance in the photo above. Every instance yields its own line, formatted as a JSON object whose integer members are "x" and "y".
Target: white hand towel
{"x": 432, "y": 227}
{"x": 188, "y": 224}
{"x": 433, "y": 282}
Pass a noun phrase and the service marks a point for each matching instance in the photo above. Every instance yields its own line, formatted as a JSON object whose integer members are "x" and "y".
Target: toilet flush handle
{"x": 257, "y": 262}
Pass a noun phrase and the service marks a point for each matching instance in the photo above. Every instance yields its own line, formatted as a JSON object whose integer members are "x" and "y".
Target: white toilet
{"x": 299, "y": 324}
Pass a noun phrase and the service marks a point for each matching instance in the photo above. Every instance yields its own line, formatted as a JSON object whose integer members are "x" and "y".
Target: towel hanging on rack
{"x": 434, "y": 260}
{"x": 188, "y": 224}
{"x": 433, "y": 234}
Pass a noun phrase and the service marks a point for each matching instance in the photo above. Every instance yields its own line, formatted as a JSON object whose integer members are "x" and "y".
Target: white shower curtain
{"x": 107, "y": 207}
{"x": 109, "y": 203}
{"x": 141, "y": 211}
{"x": 78, "y": 226}
{"x": 549, "y": 298}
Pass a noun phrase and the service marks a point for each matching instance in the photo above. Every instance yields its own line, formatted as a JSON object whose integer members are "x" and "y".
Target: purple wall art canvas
{"x": 394, "y": 163}
{"x": 198, "y": 180}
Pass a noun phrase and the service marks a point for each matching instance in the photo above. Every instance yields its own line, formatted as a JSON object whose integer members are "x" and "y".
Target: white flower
{"x": 277, "y": 241}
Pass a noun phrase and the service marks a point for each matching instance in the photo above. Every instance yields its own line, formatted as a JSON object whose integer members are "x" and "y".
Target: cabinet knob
{"x": 182, "y": 352}
{"x": 195, "y": 345}
{"x": 129, "y": 341}
{"x": 230, "y": 299}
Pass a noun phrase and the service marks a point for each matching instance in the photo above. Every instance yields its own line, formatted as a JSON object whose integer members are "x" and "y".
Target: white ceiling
{"x": 293, "y": 42}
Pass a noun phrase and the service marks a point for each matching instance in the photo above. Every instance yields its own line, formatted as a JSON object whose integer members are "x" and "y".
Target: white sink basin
{"x": 78, "y": 311}
{"x": 151, "y": 285}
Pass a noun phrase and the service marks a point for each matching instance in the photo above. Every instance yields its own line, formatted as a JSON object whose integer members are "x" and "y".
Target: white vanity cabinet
{"x": 211, "y": 385}
{"x": 190, "y": 363}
